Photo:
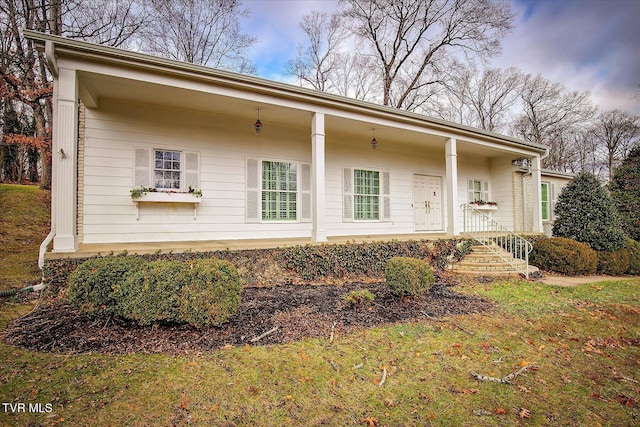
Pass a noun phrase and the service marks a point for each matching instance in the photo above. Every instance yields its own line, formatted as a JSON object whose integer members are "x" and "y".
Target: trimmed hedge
{"x": 152, "y": 294}
{"x": 213, "y": 294}
{"x": 91, "y": 284}
{"x": 564, "y": 256}
{"x": 634, "y": 256}
{"x": 409, "y": 276}
{"x": 200, "y": 292}
{"x": 314, "y": 262}
{"x": 613, "y": 263}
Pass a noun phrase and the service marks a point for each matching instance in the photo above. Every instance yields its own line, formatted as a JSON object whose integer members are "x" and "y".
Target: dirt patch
{"x": 298, "y": 312}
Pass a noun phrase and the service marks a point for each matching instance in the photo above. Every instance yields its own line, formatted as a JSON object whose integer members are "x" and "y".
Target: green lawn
{"x": 584, "y": 343}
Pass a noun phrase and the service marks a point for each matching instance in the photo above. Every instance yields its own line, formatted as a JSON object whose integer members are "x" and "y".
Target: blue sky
{"x": 589, "y": 45}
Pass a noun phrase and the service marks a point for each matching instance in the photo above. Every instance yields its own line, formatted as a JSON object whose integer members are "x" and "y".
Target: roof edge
{"x": 87, "y": 48}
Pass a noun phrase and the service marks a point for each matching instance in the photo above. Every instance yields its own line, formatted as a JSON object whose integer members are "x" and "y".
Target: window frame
{"x": 171, "y": 170}
{"x": 545, "y": 212}
{"x": 369, "y": 196}
{"x": 296, "y": 192}
{"x": 485, "y": 190}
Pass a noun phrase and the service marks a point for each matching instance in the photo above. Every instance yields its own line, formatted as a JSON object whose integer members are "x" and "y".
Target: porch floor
{"x": 86, "y": 250}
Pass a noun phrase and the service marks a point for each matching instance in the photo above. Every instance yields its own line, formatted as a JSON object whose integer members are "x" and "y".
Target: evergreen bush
{"x": 409, "y": 276}
{"x": 625, "y": 193}
{"x": 212, "y": 294}
{"x": 613, "y": 263}
{"x": 200, "y": 293}
{"x": 152, "y": 294}
{"x": 585, "y": 213}
{"x": 92, "y": 284}
{"x": 633, "y": 247}
{"x": 564, "y": 256}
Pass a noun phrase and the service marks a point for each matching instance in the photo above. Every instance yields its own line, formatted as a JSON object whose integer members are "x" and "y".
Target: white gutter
{"x": 49, "y": 53}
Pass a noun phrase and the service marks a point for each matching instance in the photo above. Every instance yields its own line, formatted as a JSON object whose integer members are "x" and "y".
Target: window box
{"x": 166, "y": 197}
{"x": 484, "y": 206}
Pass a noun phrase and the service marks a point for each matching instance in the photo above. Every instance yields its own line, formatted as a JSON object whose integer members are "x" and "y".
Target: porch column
{"x": 319, "y": 226}
{"x": 453, "y": 210}
{"x": 536, "y": 195}
{"x": 64, "y": 160}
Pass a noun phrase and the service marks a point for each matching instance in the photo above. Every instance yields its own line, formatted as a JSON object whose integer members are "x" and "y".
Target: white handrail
{"x": 497, "y": 238}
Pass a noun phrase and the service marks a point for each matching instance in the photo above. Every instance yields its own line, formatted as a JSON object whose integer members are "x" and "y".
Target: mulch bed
{"x": 298, "y": 311}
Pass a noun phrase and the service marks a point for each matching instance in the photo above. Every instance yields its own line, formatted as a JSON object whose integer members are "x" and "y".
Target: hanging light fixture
{"x": 374, "y": 142}
{"x": 258, "y": 124}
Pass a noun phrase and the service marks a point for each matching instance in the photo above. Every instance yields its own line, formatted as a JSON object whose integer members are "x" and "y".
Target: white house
{"x": 124, "y": 120}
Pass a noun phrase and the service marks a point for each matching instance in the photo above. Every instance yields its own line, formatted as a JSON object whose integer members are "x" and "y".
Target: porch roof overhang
{"x": 110, "y": 73}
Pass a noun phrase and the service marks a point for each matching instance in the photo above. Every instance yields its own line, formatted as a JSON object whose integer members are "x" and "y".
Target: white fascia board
{"x": 101, "y": 56}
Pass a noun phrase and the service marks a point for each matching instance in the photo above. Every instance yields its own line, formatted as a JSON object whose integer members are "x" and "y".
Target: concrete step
{"x": 489, "y": 257}
{"x": 481, "y": 266}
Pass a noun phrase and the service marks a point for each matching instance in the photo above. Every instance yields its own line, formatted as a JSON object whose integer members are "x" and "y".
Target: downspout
{"x": 49, "y": 52}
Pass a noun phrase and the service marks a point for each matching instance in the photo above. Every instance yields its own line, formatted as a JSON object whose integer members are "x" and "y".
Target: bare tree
{"x": 206, "y": 33}
{"x": 617, "y": 132}
{"x": 549, "y": 113}
{"x": 411, "y": 39}
{"x": 318, "y": 61}
{"x": 483, "y": 100}
{"x": 116, "y": 23}
{"x": 357, "y": 77}
{"x": 23, "y": 75}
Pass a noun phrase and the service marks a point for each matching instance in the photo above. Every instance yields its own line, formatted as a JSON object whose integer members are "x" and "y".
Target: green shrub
{"x": 586, "y": 213}
{"x": 634, "y": 256}
{"x": 152, "y": 294}
{"x": 409, "y": 276}
{"x": 613, "y": 263}
{"x": 92, "y": 284}
{"x": 212, "y": 295}
{"x": 564, "y": 256}
{"x": 200, "y": 293}
{"x": 360, "y": 297}
{"x": 625, "y": 193}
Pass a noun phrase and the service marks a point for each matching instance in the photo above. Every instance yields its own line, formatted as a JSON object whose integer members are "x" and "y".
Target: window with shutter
{"x": 305, "y": 192}
{"x": 478, "y": 191}
{"x": 142, "y": 162}
{"x": 253, "y": 191}
{"x": 366, "y": 195}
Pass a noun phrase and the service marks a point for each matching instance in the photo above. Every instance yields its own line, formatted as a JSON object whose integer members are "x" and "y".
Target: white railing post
{"x": 485, "y": 230}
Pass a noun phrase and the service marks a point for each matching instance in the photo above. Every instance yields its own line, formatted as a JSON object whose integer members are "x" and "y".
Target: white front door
{"x": 427, "y": 202}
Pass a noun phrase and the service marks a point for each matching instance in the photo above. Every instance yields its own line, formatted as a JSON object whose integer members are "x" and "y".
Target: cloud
{"x": 584, "y": 44}
{"x": 276, "y": 24}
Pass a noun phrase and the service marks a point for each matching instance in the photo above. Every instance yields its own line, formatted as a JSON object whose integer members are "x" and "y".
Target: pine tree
{"x": 625, "y": 192}
{"x": 586, "y": 213}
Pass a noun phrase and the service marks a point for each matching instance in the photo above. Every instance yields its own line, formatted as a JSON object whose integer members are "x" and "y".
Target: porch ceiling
{"x": 96, "y": 86}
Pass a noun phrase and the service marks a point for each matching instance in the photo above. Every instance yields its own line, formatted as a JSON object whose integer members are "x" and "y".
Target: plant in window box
{"x": 137, "y": 193}
{"x": 195, "y": 192}
{"x": 482, "y": 204}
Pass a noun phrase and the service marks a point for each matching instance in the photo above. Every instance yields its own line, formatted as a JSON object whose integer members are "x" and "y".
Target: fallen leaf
{"x": 501, "y": 411}
{"x": 524, "y": 413}
{"x": 371, "y": 421}
{"x": 304, "y": 356}
{"x": 184, "y": 403}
